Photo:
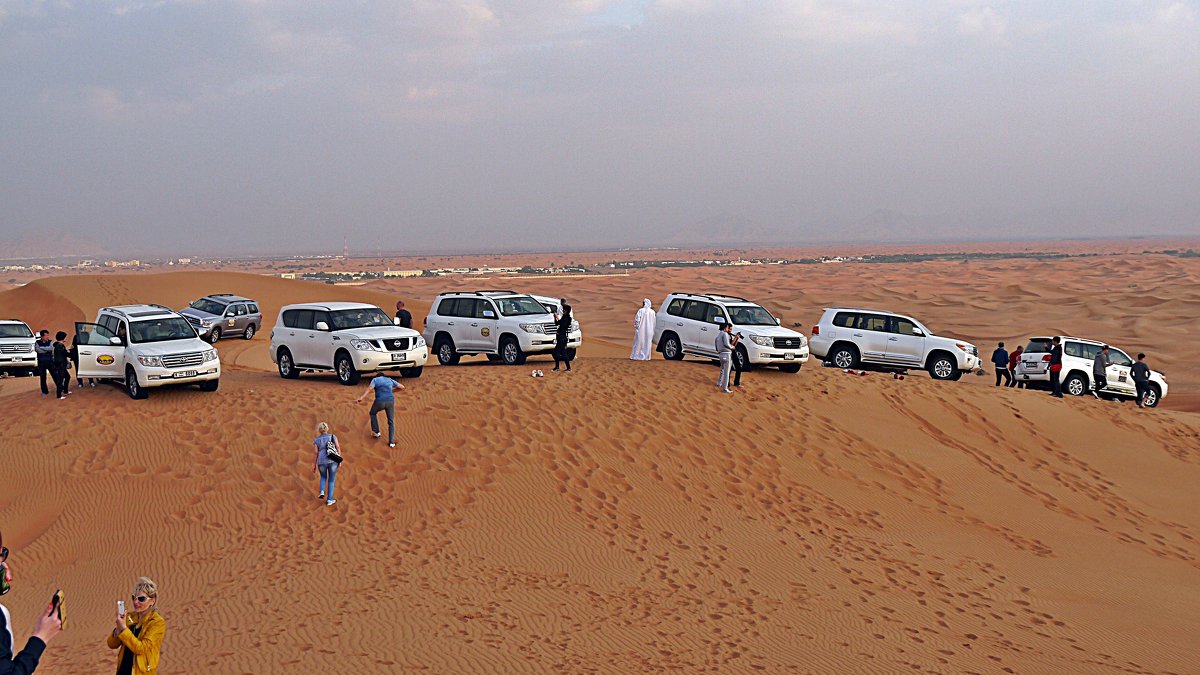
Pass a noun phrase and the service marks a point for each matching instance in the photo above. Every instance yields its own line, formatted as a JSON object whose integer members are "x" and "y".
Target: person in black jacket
{"x": 1000, "y": 361}
{"x": 562, "y": 328}
{"x": 44, "y": 347}
{"x": 48, "y": 625}
{"x": 403, "y": 316}
{"x": 60, "y": 366}
{"x": 1056, "y": 368}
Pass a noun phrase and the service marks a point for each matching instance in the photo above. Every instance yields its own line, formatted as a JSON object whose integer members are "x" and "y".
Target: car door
{"x": 905, "y": 341}
{"x": 708, "y": 328}
{"x": 1120, "y": 372}
{"x": 298, "y": 335}
{"x": 484, "y": 324}
{"x": 98, "y": 355}
{"x": 871, "y": 335}
{"x": 674, "y": 320}
{"x": 323, "y": 343}
{"x": 241, "y": 317}
{"x": 689, "y": 332}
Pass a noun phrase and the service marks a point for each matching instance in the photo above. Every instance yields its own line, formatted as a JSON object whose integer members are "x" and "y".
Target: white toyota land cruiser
{"x": 1079, "y": 355}
{"x": 848, "y": 337}
{"x": 687, "y": 324}
{"x": 504, "y": 325}
{"x": 349, "y": 338}
{"x": 17, "y": 356}
{"x": 145, "y": 346}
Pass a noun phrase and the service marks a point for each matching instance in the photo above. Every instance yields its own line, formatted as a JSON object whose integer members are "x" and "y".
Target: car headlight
{"x": 532, "y": 327}
{"x": 361, "y": 345}
{"x": 574, "y": 326}
{"x": 965, "y": 348}
{"x": 420, "y": 342}
{"x": 210, "y": 355}
{"x": 762, "y": 340}
{"x": 150, "y": 361}
{"x": 206, "y": 322}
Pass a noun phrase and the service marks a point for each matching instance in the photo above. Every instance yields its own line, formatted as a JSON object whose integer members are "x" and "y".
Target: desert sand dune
{"x": 625, "y": 517}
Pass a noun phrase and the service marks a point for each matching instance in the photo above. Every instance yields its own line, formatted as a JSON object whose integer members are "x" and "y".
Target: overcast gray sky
{"x": 197, "y": 125}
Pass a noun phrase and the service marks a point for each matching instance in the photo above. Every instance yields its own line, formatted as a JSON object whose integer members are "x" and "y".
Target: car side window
{"x": 95, "y": 334}
{"x": 482, "y": 306}
{"x": 902, "y": 326}
{"x": 1076, "y": 349}
{"x": 241, "y": 310}
{"x": 289, "y": 318}
{"x": 302, "y": 319}
{"x": 319, "y": 316}
{"x": 253, "y": 308}
{"x": 695, "y": 310}
{"x": 716, "y": 314}
{"x": 1090, "y": 351}
{"x": 466, "y": 308}
{"x": 873, "y": 322}
{"x": 447, "y": 307}
{"x": 676, "y": 307}
{"x": 845, "y": 319}
{"x": 1119, "y": 358}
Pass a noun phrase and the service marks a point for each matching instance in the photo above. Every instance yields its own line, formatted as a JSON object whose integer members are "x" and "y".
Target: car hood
{"x": 768, "y": 331}
{"x": 377, "y": 333}
{"x": 171, "y": 347}
{"x": 17, "y": 340}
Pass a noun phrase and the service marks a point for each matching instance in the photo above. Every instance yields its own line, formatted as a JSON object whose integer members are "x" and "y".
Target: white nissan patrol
{"x": 349, "y": 338}
{"x": 145, "y": 346}
{"x": 849, "y": 337}
{"x": 687, "y": 323}
{"x": 1079, "y": 355}
{"x": 503, "y": 325}
{"x": 17, "y": 356}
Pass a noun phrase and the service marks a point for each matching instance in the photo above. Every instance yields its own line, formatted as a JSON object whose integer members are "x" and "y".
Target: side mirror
{"x": 917, "y": 331}
{"x": 396, "y": 321}
{"x": 489, "y": 314}
{"x": 321, "y": 325}
{"x": 778, "y": 321}
{"x": 114, "y": 341}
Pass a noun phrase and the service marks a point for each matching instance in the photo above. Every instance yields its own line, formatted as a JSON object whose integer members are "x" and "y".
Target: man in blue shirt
{"x": 1000, "y": 361}
{"x": 385, "y": 400}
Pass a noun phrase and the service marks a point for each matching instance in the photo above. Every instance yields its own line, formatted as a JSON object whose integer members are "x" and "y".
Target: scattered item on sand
{"x": 851, "y": 371}
{"x": 897, "y": 376}
{"x": 537, "y": 373}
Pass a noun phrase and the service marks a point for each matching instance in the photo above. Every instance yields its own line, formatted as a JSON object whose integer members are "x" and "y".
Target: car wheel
{"x": 413, "y": 372}
{"x": 445, "y": 352}
{"x": 671, "y": 349}
{"x": 249, "y": 332}
{"x": 1153, "y": 396}
{"x": 743, "y": 359}
{"x": 214, "y": 335}
{"x": 942, "y": 367}
{"x": 132, "y": 386}
{"x": 1075, "y": 385}
{"x": 287, "y": 367}
{"x": 346, "y": 372}
{"x": 790, "y": 368}
{"x": 210, "y": 385}
{"x": 844, "y": 357}
{"x": 510, "y": 351}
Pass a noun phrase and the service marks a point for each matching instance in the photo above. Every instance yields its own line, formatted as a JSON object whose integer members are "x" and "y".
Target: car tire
{"x": 1075, "y": 385}
{"x": 1154, "y": 396}
{"x": 347, "y": 374}
{"x": 214, "y": 335}
{"x": 672, "y": 350}
{"x": 412, "y": 373}
{"x": 444, "y": 348}
{"x": 494, "y": 358}
{"x": 943, "y": 367}
{"x": 790, "y": 368}
{"x": 210, "y": 385}
{"x": 510, "y": 352}
{"x": 743, "y": 359}
{"x": 844, "y": 357}
{"x": 132, "y": 386}
{"x": 248, "y": 334}
{"x": 287, "y": 366}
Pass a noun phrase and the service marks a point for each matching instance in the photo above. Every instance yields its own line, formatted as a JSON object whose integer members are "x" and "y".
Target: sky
{"x": 225, "y": 126}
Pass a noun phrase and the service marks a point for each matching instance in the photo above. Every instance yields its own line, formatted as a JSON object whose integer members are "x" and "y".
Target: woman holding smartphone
{"x": 139, "y": 634}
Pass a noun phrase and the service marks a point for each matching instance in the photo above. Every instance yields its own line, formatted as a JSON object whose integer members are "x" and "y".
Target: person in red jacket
{"x": 1013, "y": 360}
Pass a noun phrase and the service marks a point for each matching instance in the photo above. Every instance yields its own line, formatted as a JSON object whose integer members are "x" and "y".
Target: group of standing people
{"x": 137, "y": 635}
{"x": 726, "y": 345}
{"x": 55, "y": 359}
{"x": 1006, "y": 368}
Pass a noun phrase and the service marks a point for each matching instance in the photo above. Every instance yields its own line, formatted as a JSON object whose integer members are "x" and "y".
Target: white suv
{"x": 849, "y": 337}
{"x": 504, "y": 325}
{"x": 145, "y": 346}
{"x": 1076, "y": 374}
{"x": 16, "y": 348}
{"x": 349, "y": 338}
{"x": 687, "y": 323}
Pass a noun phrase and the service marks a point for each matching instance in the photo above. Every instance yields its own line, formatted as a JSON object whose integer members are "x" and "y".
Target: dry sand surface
{"x": 625, "y": 517}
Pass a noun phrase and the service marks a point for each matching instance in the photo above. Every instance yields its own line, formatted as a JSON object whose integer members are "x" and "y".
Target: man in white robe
{"x": 643, "y": 333}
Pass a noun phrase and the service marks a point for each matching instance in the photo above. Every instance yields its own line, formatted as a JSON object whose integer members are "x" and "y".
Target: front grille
{"x": 183, "y": 360}
{"x": 396, "y": 344}
{"x": 15, "y": 349}
{"x": 787, "y": 343}
{"x": 195, "y": 321}
{"x": 550, "y": 328}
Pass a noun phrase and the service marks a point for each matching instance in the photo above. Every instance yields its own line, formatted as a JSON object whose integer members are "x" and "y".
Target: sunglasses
{"x": 140, "y": 598}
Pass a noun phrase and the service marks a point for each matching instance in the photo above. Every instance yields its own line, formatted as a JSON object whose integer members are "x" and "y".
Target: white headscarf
{"x": 643, "y": 332}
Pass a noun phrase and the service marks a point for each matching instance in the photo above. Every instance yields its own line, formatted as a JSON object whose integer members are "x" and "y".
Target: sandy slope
{"x": 622, "y": 518}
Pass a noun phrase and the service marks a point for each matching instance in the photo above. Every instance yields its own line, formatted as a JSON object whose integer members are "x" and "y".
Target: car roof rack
{"x": 713, "y": 296}
{"x": 863, "y": 309}
{"x": 495, "y": 290}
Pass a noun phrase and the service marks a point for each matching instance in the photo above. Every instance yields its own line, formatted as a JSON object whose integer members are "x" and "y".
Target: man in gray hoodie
{"x": 725, "y": 345}
{"x": 1100, "y": 371}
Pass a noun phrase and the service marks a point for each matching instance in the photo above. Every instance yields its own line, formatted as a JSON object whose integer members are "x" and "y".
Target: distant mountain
{"x": 50, "y": 245}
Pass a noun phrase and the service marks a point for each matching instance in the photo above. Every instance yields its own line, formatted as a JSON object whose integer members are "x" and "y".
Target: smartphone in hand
{"x": 121, "y": 607}
{"x": 56, "y": 607}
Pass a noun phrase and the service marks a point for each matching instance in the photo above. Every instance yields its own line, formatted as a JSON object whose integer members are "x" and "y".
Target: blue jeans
{"x": 328, "y": 478}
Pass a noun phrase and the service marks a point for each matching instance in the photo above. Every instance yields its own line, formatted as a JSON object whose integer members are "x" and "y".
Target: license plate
{"x": 184, "y": 373}
{"x": 789, "y": 357}
{"x": 397, "y": 357}
{"x": 8, "y": 358}
{"x": 1121, "y": 378}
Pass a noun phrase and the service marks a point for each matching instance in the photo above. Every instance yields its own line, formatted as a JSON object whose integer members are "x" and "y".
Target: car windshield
{"x": 750, "y": 315}
{"x": 520, "y": 306}
{"x": 366, "y": 317}
{"x": 15, "y": 330}
{"x": 1039, "y": 345}
{"x": 161, "y": 330}
{"x": 208, "y": 306}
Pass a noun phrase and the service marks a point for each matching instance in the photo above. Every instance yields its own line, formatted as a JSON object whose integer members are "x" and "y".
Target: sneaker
{"x": 391, "y": 445}
{"x": 376, "y": 434}
{"x": 331, "y": 502}
{"x": 321, "y": 496}
{"x": 62, "y": 398}
{"x": 92, "y": 384}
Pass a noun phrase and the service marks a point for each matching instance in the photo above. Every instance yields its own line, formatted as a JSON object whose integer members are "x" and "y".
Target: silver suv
{"x": 849, "y": 336}
{"x": 16, "y": 348}
{"x": 504, "y": 325}
{"x": 223, "y": 315}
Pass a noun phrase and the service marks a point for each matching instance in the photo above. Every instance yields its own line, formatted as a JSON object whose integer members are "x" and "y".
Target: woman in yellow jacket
{"x": 139, "y": 634}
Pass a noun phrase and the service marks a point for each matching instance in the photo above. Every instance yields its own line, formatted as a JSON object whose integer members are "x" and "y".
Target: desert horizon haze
{"x": 190, "y": 125}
